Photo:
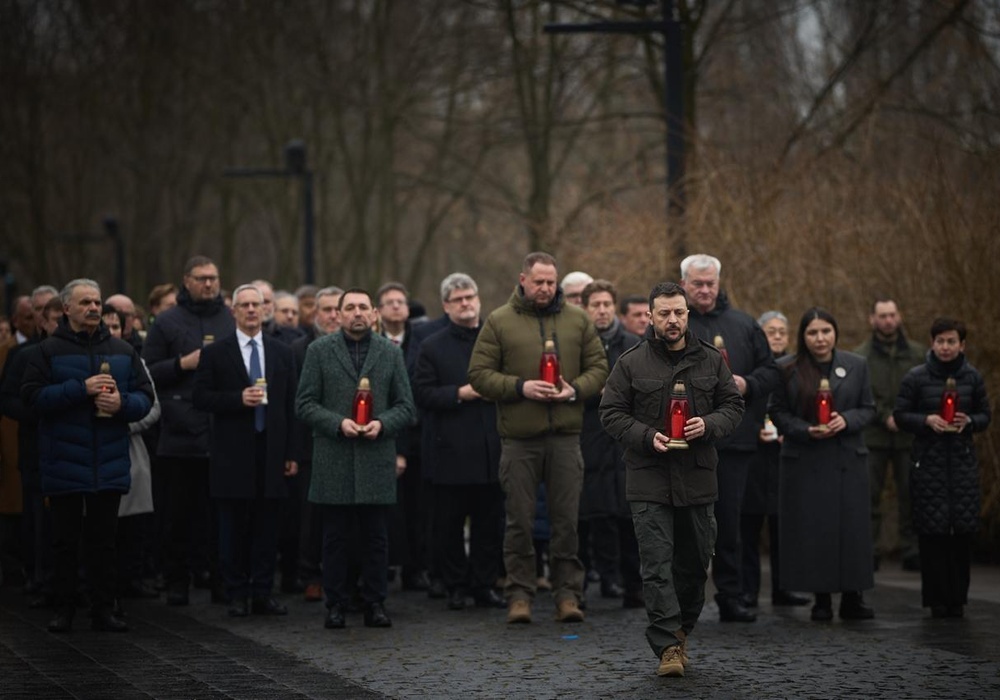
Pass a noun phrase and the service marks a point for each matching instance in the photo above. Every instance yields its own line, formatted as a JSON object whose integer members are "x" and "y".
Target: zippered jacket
{"x": 80, "y": 452}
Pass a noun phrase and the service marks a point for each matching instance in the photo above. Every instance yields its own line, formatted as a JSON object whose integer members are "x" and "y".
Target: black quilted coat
{"x": 944, "y": 481}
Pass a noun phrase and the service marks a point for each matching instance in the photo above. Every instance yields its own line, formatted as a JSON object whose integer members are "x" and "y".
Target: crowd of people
{"x": 320, "y": 443}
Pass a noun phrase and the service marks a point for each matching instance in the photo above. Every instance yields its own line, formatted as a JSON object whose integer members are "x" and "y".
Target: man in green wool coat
{"x": 354, "y": 463}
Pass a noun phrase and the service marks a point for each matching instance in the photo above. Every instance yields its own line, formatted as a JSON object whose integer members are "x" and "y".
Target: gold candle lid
{"x": 364, "y": 384}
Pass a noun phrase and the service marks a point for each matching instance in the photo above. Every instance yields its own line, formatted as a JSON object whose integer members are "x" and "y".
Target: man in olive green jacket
{"x": 539, "y": 424}
{"x": 354, "y": 465}
{"x": 890, "y": 356}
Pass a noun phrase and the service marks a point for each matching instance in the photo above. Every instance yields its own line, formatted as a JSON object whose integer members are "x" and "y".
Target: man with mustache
{"x": 84, "y": 383}
{"x": 671, "y": 488}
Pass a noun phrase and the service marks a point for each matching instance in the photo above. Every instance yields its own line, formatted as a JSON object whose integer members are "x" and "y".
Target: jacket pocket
{"x": 703, "y": 392}
{"x": 648, "y": 400}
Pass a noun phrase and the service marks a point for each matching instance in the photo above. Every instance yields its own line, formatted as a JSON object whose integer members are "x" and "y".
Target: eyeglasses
{"x": 202, "y": 279}
{"x": 393, "y": 302}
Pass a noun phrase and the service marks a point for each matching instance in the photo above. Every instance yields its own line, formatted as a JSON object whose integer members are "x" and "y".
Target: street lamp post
{"x": 296, "y": 166}
{"x": 673, "y": 92}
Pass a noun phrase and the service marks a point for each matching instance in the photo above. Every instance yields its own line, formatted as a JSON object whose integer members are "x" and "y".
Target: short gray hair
{"x": 770, "y": 316}
{"x": 454, "y": 281}
{"x": 44, "y": 289}
{"x": 245, "y": 287}
{"x": 700, "y": 261}
{"x": 67, "y": 292}
{"x": 331, "y": 291}
{"x": 576, "y": 277}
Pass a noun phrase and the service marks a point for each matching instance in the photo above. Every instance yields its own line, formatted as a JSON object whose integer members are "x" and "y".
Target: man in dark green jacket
{"x": 671, "y": 488}
{"x": 890, "y": 356}
{"x": 539, "y": 424}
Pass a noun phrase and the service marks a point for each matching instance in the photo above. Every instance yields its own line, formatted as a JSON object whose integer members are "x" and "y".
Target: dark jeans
{"x": 615, "y": 553}
{"x": 483, "y": 505}
{"x": 726, "y": 564}
{"x": 248, "y": 545}
{"x": 191, "y": 545}
{"x": 98, "y": 531}
{"x": 360, "y": 528}
{"x": 945, "y": 561}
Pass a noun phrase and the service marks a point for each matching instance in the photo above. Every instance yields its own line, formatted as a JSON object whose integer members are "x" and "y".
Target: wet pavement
{"x": 430, "y": 652}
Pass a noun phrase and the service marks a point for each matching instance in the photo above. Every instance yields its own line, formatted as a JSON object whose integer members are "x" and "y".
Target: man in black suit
{"x": 252, "y": 446}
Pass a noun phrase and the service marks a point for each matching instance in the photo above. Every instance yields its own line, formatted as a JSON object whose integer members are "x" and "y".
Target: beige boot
{"x": 518, "y": 611}
{"x": 671, "y": 662}
{"x": 568, "y": 611}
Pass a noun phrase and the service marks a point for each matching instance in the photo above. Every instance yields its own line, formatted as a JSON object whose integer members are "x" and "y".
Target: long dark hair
{"x": 805, "y": 365}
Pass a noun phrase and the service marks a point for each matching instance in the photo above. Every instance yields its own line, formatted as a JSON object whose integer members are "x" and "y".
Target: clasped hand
{"x": 537, "y": 390}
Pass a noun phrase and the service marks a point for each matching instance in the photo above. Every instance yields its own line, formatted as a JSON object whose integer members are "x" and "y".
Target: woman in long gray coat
{"x": 823, "y": 500}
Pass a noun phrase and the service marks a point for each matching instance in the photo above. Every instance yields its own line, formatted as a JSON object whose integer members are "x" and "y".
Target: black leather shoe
{"x": 456, "y": 600}
{"x": 335, "y": 619}
{"x": 489, "y": 599}
{"x": 62, "y": 622}
{"x": 732, "y": 610}
{"x": 788, "y": 598}
{"x": 852, "y": 607}
{"x": 238, "y": 608}
{"x": 821, "y": 613}
{"x": 749, "y": 600}
{"x": 612, "y": 589}
{"x": 268, "y": 606}
{"x": 375, "y": 616}
{"x": 437, "y": 590}
{"x": 939, "y": 611}
{"x": 178, "y": 598}
{"x": 956, "y": 611}
{"x": 107, "y": 622}
{"x": 416, "y": 581}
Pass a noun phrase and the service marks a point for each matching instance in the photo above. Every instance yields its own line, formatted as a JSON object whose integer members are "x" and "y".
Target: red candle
{"x": 548, "y": 367}
{"x": 949, "y": 401}
{"x": 363, "y": 403}
{"x": 824, "y": 402}
{"x": 677, "y": 415}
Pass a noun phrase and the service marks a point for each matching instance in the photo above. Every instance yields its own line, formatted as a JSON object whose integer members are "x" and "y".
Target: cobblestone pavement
{"x": 430, "y": 652}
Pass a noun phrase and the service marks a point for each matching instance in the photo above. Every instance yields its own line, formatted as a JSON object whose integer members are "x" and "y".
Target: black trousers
{"x": 348, "y": 529}
{"x": 248, "y": 545}
{"x": 310, "y": 529}
{"x": 751, "y": 526}
{"x": 98, "y": 531}
{"x": 726, "y": 564}
{"x": 483, "y": 505}
{"x": 191, "y": 540}
{"x": 945, "y": 561}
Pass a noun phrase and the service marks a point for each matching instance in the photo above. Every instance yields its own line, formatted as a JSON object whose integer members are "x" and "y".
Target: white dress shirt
{"x": 244, "y": 340}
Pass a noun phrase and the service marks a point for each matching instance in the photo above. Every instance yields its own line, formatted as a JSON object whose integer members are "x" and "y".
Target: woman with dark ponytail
{"x": 823, "y": 502}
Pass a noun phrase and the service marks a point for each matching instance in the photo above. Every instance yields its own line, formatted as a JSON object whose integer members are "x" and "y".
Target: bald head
{"x": 126, "y": 307}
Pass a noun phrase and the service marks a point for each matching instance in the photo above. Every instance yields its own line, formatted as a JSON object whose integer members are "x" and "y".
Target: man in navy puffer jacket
{"x": 86, "y": 387}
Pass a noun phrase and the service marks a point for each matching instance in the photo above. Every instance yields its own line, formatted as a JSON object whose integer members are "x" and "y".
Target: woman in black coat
{"x": 944, "y": 481}
{"x": 824, "y": 506}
